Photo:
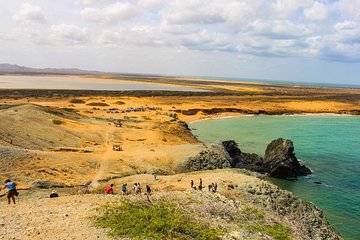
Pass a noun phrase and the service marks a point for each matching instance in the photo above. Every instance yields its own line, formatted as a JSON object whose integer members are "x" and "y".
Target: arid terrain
{"x": 65, "y": 138}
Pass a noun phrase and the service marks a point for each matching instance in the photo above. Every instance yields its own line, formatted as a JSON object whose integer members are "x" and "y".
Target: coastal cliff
{"x": 279, "y": 160}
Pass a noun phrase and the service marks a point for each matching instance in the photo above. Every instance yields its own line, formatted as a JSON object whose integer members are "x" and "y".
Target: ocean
{"x": 328, "y": 144}
{"x": 281, "y": 82}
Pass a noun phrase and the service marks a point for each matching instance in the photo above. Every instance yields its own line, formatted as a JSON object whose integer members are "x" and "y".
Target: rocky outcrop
{"x": 279, "y": 160}
{"x": 308, "y": 219}
{"x": 214, "y": 157}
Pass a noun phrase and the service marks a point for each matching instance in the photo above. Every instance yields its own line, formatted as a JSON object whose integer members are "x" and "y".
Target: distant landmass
{"x": 6, "y": 68}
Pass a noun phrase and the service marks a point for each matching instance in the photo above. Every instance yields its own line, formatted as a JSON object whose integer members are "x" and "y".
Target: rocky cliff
{"x": 279, "y": 160}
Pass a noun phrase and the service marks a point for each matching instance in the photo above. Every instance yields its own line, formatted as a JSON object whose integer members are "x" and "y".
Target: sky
{"x": 294, "y": 40}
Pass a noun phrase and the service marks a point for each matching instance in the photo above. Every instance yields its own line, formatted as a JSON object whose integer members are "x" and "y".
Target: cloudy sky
{"x": 297, "y": 40}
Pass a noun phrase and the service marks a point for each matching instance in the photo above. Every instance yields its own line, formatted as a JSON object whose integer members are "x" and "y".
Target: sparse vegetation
{"x": 119, "y": 103}
{"x": 99, "y": 104}
{"x": 57, "y": 122}
{"x": 70, "y": 109}
{"x": 160, "y": 220}
{"x": 254, "y": 220}
{"x": 276, "y": 231}
{"x": 77, "y": 101}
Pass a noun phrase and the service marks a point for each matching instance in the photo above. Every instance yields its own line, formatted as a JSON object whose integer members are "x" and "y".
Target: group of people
{"x": 212, "y": 187}
{"x": 12, "y": 191}
{"x": 124, "y": 191}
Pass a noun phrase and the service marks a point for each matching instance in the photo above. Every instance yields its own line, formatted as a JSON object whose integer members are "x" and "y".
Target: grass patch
{"x": 57, "y": 122}
{"x": 77, "y": 101}
{"x": 276, "y": 231}
{"x": 99, "y": 104}
{"x": 160, "y": 220}
{"x": 254, "y": 220}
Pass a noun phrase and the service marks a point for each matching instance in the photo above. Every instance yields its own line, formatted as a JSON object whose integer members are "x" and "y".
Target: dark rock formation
{"x": 214, "y": 157}
{"x": 279, "y": 160}
{"x": 249, "y": 161}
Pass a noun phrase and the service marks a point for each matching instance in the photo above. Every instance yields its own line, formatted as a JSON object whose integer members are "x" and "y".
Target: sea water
{"x": 328, "y": 144}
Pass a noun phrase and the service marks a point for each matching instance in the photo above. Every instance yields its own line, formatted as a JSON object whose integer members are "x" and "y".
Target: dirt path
{"x": 66, "y": 217}
{"x": 108, "y": 150}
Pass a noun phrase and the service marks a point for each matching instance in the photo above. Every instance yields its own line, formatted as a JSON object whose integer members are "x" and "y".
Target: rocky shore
{"x": 279, "y": 160}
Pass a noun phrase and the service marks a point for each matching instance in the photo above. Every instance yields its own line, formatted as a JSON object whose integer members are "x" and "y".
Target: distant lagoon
{"x": 83, "y": 83}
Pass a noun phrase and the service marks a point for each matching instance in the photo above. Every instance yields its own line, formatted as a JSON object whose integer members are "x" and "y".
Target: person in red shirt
{"x": 109, "y": 189}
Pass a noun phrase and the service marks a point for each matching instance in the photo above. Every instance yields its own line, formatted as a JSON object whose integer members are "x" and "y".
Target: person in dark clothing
{"x": 148, "y": 190}
{"x": 192, "y": 184}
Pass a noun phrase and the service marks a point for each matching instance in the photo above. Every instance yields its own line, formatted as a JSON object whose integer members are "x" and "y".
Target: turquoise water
{"x": 328, "y": 144}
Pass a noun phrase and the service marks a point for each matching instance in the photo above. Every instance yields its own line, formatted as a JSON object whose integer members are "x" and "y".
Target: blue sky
{"x": 296, "y": 40}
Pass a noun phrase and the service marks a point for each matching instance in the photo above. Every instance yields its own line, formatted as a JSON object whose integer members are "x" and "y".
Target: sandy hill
{"x": 31, "y": 126}
{"x": 45, "y": 146}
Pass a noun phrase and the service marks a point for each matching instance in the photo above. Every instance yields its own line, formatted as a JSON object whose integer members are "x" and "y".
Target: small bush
{"x": 119, "y": 103}
{"x": 160, "y": 220}
{"x": 69, "y": 109}
{"x": 77, "y": 101}
{"x": 57, "y": 122}
{"x": 100, "y": 104}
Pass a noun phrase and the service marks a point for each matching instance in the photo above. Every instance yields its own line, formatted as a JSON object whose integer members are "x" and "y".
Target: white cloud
{"x": 119, "y": 11}
{"x": 68, "y": 34}
{"x": 87, "y": 2}
{"x": 151, "y": 3}
{"x": 29, "y": 14}
{"x": 318, "y": 12}
{"x": 207, "y": 41}
{"x": 286, "y": 8}
{"x": 193, "y": 12}
{"x": 279, "y": 29}
{"x": 350, "y": 9}
{"x": 141, "y": 35}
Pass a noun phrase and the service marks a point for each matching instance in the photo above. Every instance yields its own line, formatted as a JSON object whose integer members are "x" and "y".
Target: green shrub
{"x": 276, "y": 231}
{"x": 100, "y": 104}
{"x": 159, "y": 220}
{"x": 57, "y": 122}
{"x": 77, "y": 101}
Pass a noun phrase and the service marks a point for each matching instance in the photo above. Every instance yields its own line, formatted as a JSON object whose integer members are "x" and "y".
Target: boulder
{"x": 214, "y": 157}
{"x": 280, "y": 160}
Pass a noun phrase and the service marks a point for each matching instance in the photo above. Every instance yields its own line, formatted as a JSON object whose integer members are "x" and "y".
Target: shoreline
{"x": 275, "y": 115}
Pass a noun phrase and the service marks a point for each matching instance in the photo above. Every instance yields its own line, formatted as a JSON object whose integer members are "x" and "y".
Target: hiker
{"x": 109, "y": 189}
{"x": 192, "y": 184}
{"x": 86, "y": 188}
{"x": 148, "y": 190}
{"x": 155, "y": 177}
{"x": 138, "y": 189}
{"x": 215, "y": 187}
{"x": 200, "y": 185}
{"x": 54, "y": 194}
{"x": 11, "y": 190}
{"x": 211, "y": 187}
{"x": 124, "y": 189}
